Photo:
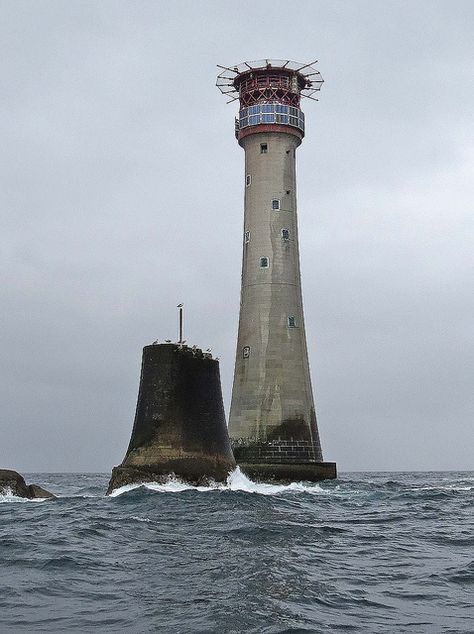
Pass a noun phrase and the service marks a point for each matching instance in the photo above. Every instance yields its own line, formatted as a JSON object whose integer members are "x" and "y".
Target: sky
{"x": 121, "y": 195}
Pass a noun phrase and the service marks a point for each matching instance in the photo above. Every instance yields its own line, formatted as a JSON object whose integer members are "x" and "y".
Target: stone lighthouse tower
{"x": 272, "y": 420}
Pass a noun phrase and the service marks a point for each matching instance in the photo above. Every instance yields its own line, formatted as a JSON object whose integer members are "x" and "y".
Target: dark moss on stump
{"x": 179, "y": 425}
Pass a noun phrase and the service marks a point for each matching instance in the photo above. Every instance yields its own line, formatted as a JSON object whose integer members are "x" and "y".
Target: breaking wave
{"x": 237, "y": 481}
{"x": 8, "y": 496}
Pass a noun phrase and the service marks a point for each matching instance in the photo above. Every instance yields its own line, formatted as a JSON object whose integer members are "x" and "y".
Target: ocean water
{"x": 369, "y": 552}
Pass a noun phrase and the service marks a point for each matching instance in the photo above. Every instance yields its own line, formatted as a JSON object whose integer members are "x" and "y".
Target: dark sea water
{"x": 370, "y": 552}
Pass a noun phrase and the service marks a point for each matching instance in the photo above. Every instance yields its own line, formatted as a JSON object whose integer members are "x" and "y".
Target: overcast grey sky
{"x": 122, "y": 195}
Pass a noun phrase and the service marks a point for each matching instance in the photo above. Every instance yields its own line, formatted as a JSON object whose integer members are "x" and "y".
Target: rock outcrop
{"x": 12, "y": 483}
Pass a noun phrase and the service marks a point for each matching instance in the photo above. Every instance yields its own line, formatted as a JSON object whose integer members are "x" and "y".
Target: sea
{"x": 370, "y": 552}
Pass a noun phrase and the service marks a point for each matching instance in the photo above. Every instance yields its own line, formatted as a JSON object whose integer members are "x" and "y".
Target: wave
{"x": 237, "y": 481}
{"x": 449, "y": 487}
{"x": 8, "y": 496}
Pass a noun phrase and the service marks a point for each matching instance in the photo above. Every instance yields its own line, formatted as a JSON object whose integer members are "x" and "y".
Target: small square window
{"x": 246, "y": 352}
{"x": 263, "y": 148}
{"x": 247, "y": 237}
{"x": 291, "y": 322}
{"x": 264, "y": 263}
{"x": 248, "y": 180}
{"x": 276, "y": 204}
{"x": 285, "y": 234}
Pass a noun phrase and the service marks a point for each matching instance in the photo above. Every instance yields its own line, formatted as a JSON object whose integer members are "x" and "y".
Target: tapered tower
{"x": 272, "y": 420}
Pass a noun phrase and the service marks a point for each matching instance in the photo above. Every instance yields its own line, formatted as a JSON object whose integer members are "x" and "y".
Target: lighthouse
{"x": 272, "y": 422}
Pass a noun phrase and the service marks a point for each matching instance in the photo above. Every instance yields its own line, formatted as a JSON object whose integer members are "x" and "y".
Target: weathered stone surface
{"x": 180, "y": 425}
{"x": 38, "y": 492}
{"x": 199, "y": 473}
{"x": 289, "y": 472}
{"x": 272, "y": 396}
{"x": 13, "y": 483}
{"x": 272, "y": 418}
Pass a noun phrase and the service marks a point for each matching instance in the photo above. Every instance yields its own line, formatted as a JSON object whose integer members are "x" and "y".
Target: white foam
{"x": 8, "y": 496}
{"x": 145, "y": 520}
{"x": 450, "y": 487}
{"x": 236, "y": 481}
{"x": 125, "y": 489}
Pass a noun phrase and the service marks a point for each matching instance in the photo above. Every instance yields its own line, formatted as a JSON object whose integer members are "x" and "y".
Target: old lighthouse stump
{"x": 180, "y": 426}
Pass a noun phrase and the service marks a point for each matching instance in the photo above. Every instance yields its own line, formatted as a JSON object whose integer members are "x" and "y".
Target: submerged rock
{"x": 12, "y": 483}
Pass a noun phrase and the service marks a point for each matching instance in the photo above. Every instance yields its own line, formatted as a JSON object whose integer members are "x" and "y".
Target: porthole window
{"x": 246, "y": 352}
{"x": 264, "y": 263}
{"x": 248, "y": 180}
{"x": 276, "y": 204}
{"x": 291, "y": 322}
{"x": 247, "y": 237}
{"x": 285, "y": 234}
{"x": 263, "y": 148}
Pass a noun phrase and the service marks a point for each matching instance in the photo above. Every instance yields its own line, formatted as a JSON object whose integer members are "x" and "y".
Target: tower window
{"x": 248, "y": 180}
{"x": 246, "y": 352}
{"x": 291, "y": 322}
{"x": 276, "y": 204}
{"x": 263, "y": 148}
{"x": 247, "y": 237}
{"x": 264, "y": 263}
{"x": 285, "y": 234}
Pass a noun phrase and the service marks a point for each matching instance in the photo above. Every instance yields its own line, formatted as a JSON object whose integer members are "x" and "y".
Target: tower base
{"x": 197, "y": 471}
{"x": 286, "y": 473}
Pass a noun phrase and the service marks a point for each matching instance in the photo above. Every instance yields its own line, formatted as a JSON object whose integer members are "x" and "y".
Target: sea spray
{"x": 237, "y": 481}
